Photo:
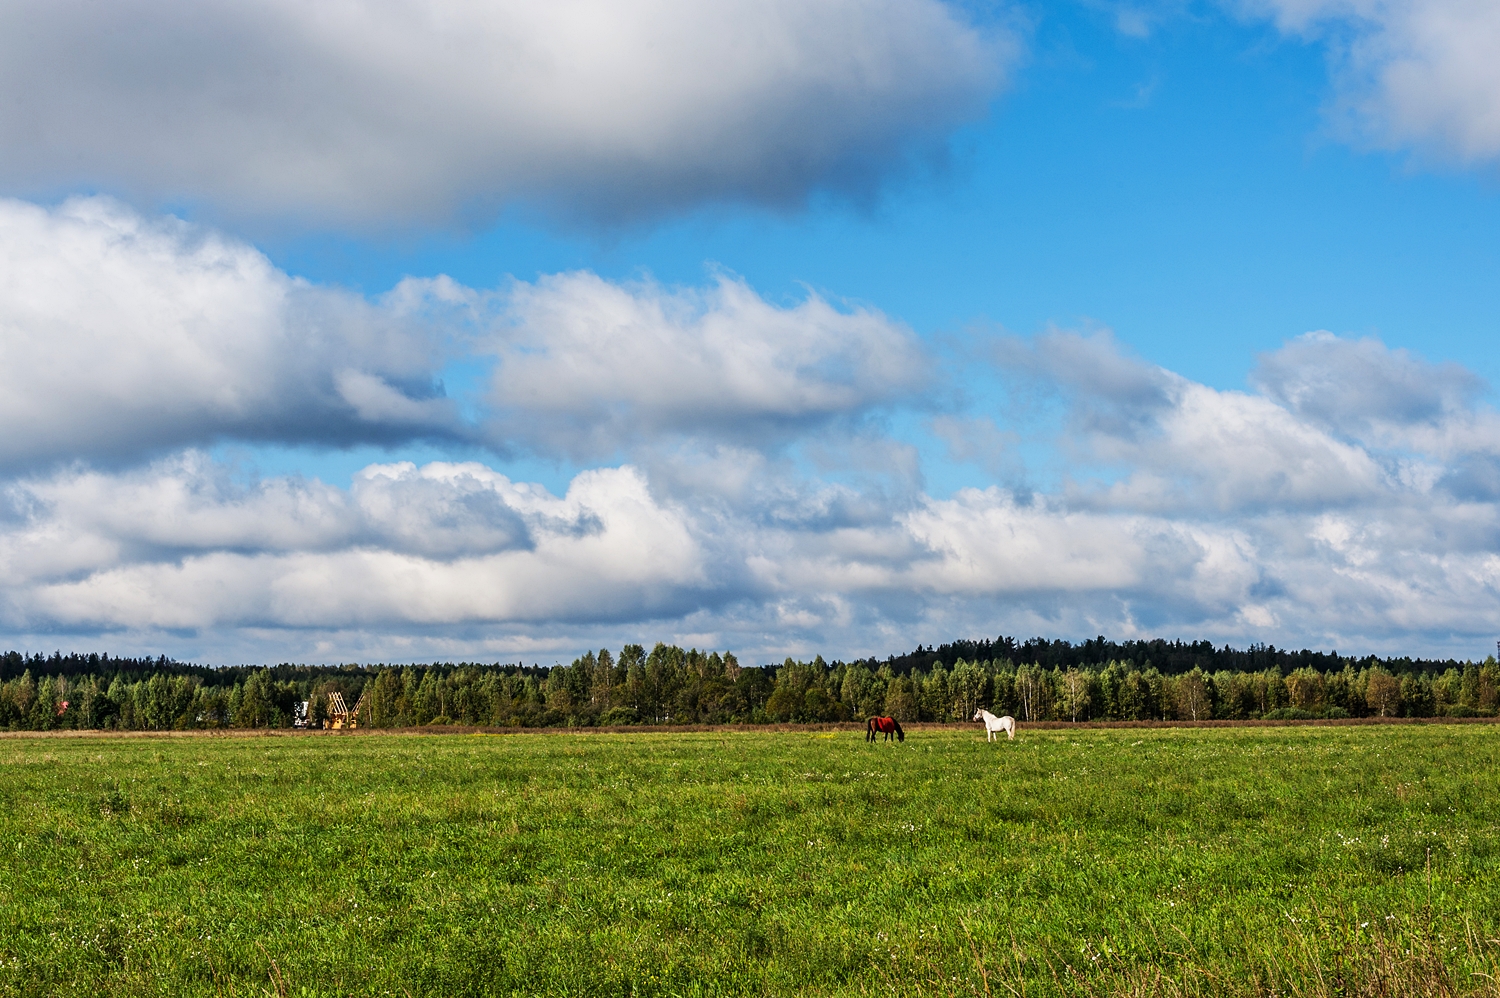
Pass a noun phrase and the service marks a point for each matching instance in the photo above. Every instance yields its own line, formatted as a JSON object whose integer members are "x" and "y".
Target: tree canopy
{"x": 1036, "y": 680}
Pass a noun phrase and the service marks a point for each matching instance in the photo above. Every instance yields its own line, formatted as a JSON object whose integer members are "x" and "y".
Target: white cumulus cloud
{"x": 587, "y": 366}
{"x": 1174, "y": 444}
{"x": 1423, "y": 74}
{"x": 404, "y": 547}
{"x": 414, "y": 111}
{"x": 124, "y": 336}
{"x": 121, "y": 334}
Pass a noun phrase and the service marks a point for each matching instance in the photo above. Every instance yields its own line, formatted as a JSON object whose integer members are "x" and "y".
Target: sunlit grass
{"x": 1264, "y": 860}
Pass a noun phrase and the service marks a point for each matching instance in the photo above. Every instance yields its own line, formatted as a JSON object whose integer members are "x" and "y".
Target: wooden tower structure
{"x": 340, "y": 715}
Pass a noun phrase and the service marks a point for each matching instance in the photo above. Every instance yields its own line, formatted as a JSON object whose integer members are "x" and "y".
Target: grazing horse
{"x": 993, "y": 724}
{"x": 887, "y": 726}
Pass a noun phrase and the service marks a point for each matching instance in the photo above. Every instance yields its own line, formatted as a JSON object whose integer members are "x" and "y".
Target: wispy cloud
{"x": 1365, "y": 390}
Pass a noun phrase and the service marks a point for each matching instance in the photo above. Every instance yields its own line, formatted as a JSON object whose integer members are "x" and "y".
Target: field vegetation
{"x": 1331, "y": 860}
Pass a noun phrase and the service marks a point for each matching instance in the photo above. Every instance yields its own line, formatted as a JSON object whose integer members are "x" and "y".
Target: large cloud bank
{"x": 1411, "y": 73}
{"x": 1309, "y": 535}
{"x": 122, "y": 337}
{"x": 415, "y": 112}
{"x": 742, "y": 484}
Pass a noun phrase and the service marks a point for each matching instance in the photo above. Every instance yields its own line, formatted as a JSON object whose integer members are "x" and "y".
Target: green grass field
{"x": 1124, "y": 861}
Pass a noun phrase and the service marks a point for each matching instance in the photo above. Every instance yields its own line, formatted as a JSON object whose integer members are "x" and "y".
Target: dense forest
{"x": 1033, "y": 681}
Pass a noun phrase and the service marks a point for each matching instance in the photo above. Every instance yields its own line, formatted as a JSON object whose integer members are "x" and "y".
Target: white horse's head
{"x": 979, "y": 714}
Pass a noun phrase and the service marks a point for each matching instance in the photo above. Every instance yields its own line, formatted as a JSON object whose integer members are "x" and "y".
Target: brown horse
{"x": 887, "y": 726}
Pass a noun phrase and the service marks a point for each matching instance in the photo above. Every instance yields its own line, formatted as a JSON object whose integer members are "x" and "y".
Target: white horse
{"x": 993, "y": 724}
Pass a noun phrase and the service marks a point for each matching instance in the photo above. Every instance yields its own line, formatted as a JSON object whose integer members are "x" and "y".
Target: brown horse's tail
{"x": 870, "y": 730}
{"x": 900, "y": 735}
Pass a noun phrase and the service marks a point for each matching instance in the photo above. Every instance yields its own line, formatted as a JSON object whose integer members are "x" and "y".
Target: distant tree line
{"x": 1040, "y": 681}
{"x": 1169, "y": 657}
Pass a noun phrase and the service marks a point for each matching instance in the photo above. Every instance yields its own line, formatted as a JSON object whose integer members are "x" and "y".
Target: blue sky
{"x": 1186, "y": 189}
{"x": 782, "y": 328}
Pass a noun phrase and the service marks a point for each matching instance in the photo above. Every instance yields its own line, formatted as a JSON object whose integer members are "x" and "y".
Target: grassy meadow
{"x": 1270, "y": 860}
